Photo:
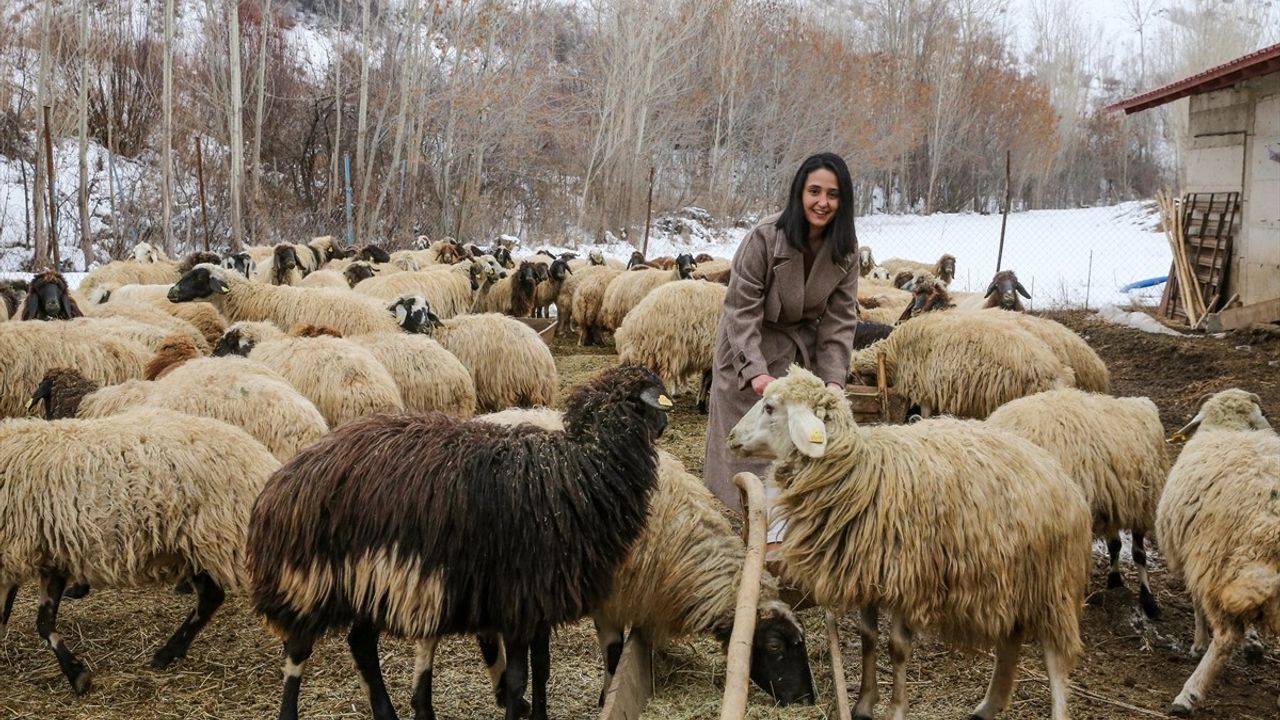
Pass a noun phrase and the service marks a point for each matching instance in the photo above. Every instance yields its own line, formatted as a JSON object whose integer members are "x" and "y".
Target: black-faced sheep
{"x": 998, "y": 555}
{"x": 627, "y": 290}
{"x": 283, "y": 268}
{"x": 566, "y": 508}
{"x": 49, "y": 298}
{"x": 150, "y": 496}
{"x": 241, "y": 262}
{"x": 682, "y": 577}
{"x": 1219, "y": 527}
{"x": 513, "y": 295}
{"x": 240, "y": 299}
{"x": 548, "y": 291}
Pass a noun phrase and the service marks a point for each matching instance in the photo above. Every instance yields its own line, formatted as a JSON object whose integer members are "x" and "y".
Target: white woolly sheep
{"x": 627, "y": 290}
{"x": 202, "y": 315}
{"x": 451, "y": 289}
{"x": 1091, "y": 372}
{"x": 510, "y": 365}
{"x": 28, "y": 350}
{"x": 964, "y": 364}
{"x": 429, "y": 377}
{"x": 1219, "y": 527}
{"x": 682, "y": 576}
{"x": 999, "y": 554}
{"x": 240, "y": 299}
{"x": 342, "y": 379}
{"x": 672, "y": 331}
{"x": 144, "y": 497}
{"x": 569, "y": 288}
{"x": 1114, "y": 448}
{"x": 235, "y": 390}
{"x": 130, "y": 272}
{"x": 944, "y": 269}
{"x": 588, "y": 303}
{"x": 150, "y": 316}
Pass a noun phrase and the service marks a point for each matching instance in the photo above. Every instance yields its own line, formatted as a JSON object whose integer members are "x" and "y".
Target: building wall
{"x": 1233, "y": 135}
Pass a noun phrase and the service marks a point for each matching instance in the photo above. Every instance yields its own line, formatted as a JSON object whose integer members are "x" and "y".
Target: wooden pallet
{"x": 1209, "y": 223}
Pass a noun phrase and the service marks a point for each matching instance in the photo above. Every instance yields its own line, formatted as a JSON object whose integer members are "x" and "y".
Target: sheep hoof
{"x": 1180, "y": 710}
{"x": 183, "y": 588}
{"x": 165, "y": 657}
{"x": 1114, "y": 581}
{"x": 1150, "y": 607}
{"x": 522, "y": 706}
{"x": 82, "y": 681}
{"x": 77, "y": 591}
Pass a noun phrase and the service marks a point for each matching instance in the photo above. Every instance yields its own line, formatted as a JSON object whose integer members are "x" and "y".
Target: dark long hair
{"x": 839, "y": 234}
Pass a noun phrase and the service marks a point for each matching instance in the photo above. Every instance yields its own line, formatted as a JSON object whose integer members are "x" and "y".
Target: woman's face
{"x": 821, "y": 198}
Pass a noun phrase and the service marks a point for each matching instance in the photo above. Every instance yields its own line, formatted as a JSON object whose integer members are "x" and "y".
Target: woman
{"x": 792, "y": 299}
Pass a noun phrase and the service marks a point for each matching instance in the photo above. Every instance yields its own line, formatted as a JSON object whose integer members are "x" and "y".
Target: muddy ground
{"x": 1132, "y": 668}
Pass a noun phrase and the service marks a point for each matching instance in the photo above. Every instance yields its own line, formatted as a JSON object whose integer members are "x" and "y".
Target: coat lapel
{"x": 788, "y": 278}
{"x": 824, "y": 277}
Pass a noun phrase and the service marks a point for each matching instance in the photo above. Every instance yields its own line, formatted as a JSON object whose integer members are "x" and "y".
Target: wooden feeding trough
{"x": 545, "y": 327}
{"x": 877, "y": 403}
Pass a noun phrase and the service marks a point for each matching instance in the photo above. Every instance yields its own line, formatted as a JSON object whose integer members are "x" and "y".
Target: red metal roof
{"x": 1262, "y": 62}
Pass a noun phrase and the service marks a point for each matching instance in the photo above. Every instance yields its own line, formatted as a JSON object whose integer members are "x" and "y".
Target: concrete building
{"x": 1235, "y": 147}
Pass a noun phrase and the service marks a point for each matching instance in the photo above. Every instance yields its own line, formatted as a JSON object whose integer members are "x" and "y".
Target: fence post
{"x": 1088, "y": 282}
{"x": 648, "y": 215}
{"x": 1004, "y": 219}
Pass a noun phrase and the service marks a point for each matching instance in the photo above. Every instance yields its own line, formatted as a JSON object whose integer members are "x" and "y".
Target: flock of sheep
{"x": 235, "y": 424}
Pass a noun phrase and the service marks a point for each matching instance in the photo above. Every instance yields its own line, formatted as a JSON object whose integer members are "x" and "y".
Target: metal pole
{"x": 648, "y": 215}
{"x": 204, "y": 215}
{"x": 1004, "y": 220}
{"x": 346, "y": 161}
{"x": 53, "y": 208}
{"x": 1088, "y": 283}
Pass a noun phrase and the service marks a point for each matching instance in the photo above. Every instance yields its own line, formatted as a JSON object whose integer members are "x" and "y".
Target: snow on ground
{"x": 1049, "y": 249}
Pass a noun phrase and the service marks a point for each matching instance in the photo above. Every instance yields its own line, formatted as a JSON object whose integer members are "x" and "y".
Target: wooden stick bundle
{"x": 1188, "y": 284}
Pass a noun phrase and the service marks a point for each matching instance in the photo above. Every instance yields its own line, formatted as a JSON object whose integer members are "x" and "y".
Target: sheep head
{"x": 144, "y": 252}
{"x": 779, "y": 657}
{"x": 559, "y": 269}
{"x": 790, "y": 416}
{"x": 945, "y": 270}
{"x": 284, "y": 258}
{"x": 414, "y": 315}
{"x": 49, "y": 298}
{"x": 503, "y": 256}
{"x": 637, "y": 258}
{"x": 197, "y": 258}
{"x": 373, "y": 253}
{"x": 358, "y": 271}
{"x": 685, "y": 265}
{"x": 596, "y": 257}
{"x": 241, "y": 337}
{"x": 241, "y": 262}
{"x": 327, "y": 247}
{"x": 201, "y": 282}
{"x": 61, "y": 391}
{"x": 1004, "y": 290}
{"x": 929, "y": 294}
{"x": 904, "y": 280}
{"x": 1231, "y": 409}
{"x": 638, "y": 387}
{"x": 866, "y": 263}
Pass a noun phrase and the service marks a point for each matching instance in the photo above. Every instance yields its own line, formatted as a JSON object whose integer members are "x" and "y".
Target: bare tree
{"x": 362, "y": 125}
{"x": 264, "y": 30}
{"x": 86, "y": 237}
{"x": 234, "y": 120}
{"x": 166, "y": 155}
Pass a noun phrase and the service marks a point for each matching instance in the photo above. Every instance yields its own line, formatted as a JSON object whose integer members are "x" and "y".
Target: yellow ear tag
{"x": 225, "y": 290}
{"x": 815, "y": 437}
{"x": 1177, "y": 438}
{"x": 30, "y": 402}
{"x": 664, "y": 401}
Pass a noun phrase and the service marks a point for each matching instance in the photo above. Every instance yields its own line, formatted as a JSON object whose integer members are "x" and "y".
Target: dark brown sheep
{"x": 423, "y": 525}
{"x": 1004, "y": 290}
{"x": 61, "y": 391}
{"x": 197, "y": 258}
{"x": 930, "y": 294}
{"x": 49, "y": 298}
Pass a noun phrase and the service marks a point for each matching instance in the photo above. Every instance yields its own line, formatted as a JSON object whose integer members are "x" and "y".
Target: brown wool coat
{"x": 772, "y": 318}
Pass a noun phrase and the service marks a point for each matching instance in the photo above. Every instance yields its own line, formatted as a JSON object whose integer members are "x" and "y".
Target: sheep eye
{"x": 773, "y": 647}
{"x": 768, "y": 409}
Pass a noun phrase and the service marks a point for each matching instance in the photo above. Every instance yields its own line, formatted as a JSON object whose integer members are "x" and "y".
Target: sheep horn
{"x": 1022, "y": 291}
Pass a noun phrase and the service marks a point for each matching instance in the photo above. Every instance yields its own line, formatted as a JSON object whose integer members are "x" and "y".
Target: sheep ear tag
{"x": 655, "y": 398}
{"x": 808, "y": 433}
{"x": 664, "y": 402}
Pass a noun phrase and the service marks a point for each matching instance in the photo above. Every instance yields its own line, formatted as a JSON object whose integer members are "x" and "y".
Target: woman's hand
{"x": 760, "y": 382}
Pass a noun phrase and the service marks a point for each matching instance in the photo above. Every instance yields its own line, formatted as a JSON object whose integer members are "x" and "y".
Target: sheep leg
{"x": 363, "y": 641}
{"x": 9, "y": 596}
{"x": 610, "y": 639}
{"x": 1201, "y": 642}
{"x": 424, "y": 658}
{"x": 1254, "y": 650}
{"x": 1145, "y": 597}
{"x": 516, "y": 676}
{"x": 51, "y": 587}
{"x": 900, "y": 654}
{"x": 868, "y": 693}
{"x": 1224, "y": 641}
{"x": 1114, "y": 580}
{"x": 540, "y": 662}
{"x": 495, "y": 659}
{"x": 1056, "y": 668}
{"x": 297, "y": 650}
{"x": 1000, "y": 690}
{"x": 209, "y": 596}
